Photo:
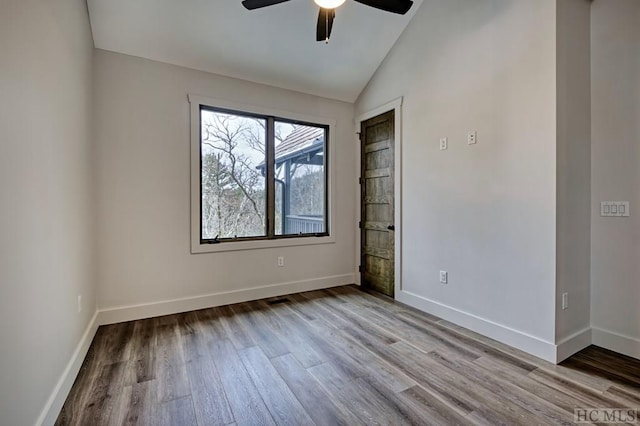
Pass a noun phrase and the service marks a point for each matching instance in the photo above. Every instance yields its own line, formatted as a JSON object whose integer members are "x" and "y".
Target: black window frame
{"x": 270, "y": 163}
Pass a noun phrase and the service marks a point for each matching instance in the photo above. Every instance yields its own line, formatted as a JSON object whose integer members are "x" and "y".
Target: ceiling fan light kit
{"x": 328, "y": 11}
{"x": 329, "y": 4}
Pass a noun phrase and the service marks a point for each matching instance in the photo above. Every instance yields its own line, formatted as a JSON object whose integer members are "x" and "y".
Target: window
{"x": 260, "y": 177}
{"x": 232, "y": 184}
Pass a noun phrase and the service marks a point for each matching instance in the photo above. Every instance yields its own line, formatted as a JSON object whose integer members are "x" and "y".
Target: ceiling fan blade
{"x": 395, "y": 6}
{"x": 257, "y": 4}
{"x": 325, "y": 24}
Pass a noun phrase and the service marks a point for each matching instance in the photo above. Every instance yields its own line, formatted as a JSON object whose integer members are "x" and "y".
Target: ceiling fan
{"x": 328, "y": 11}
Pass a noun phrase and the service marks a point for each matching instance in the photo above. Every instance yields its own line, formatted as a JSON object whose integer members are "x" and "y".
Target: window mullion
{"x": 271, "y": 185}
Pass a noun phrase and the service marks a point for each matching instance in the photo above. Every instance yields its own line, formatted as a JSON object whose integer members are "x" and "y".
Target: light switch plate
{"x": 614, "y": 209}
{"x": 565, "y": 300}
{"x": 444, "y": 144}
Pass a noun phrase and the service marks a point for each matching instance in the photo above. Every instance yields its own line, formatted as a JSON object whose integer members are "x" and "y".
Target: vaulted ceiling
{"x": 274, "y": 45}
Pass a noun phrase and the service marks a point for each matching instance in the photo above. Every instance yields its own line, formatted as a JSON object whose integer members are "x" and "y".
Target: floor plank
{"x": 178, "y": 412}
{"x": 281, "y": 402}
{"x": 311, "y": 395}
{"x": 170, "y": 367}
{"x": 106, "y": 387}
{"x": 207, "y": 392}
{"x": 253, "y": 322}
{"x": 247, "y": 405}
{"x": 143, "y": 408}
{"x": 142, "y": 362}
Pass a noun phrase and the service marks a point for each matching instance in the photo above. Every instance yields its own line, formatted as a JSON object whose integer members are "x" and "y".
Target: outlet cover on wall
{"x": 472, "y": 137}
{"x": 280, "y": 261}
{"x": 444, "y": 144}
{"x": 444, "y": 277}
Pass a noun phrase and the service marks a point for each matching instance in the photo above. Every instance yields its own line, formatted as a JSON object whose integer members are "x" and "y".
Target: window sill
{"x": 197, "y": 247}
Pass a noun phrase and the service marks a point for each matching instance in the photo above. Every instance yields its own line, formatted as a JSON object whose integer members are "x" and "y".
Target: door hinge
{"x": 359, "y": 135}
{"x": 360, "y": 268}
{"x": 360, "y": 225}
{"x": 359, "y": 181}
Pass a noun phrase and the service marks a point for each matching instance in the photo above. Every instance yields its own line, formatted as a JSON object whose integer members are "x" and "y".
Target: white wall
{"x": 142, "y": 134}
{"x": 573, "y": 169}
{"x": 615, "y": 242}
{"x": 46, "y": 244}
{"x": 485, "y": 213}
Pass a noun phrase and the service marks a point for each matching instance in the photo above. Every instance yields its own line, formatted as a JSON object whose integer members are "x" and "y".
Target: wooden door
{"x": 376, "y": 204}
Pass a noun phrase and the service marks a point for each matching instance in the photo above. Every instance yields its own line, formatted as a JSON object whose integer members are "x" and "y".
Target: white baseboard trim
{"x": 168, "y": 307}
{"x": 55, "y": 402}
{"x": 509, "y": 336}
{"x": 573, "y": 344}
{"x": 616, "y": 342}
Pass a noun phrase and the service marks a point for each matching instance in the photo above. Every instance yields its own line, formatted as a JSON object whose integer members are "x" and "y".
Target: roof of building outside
{"x": 300, "y": 138}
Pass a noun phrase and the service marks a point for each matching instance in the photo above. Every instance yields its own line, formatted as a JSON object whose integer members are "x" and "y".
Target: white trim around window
{"x": 197, "y": 102}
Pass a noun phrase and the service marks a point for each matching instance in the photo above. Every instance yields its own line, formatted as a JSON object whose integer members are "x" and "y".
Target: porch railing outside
{"x": 304, "y": 224}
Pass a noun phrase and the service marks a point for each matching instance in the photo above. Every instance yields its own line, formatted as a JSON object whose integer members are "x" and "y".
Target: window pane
{"x": 300, "y": 179}
{"x": 233, "y": 187}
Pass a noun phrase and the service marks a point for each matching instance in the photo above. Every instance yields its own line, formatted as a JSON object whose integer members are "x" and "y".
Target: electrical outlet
{"x": 444, "y": 144}
{"x": 565, "y": 300}
{"x": 280, "y": 261}
{"x": 79, "y": 303}
{"x": 444, "y": 277}
{"x": 472, "y": 137}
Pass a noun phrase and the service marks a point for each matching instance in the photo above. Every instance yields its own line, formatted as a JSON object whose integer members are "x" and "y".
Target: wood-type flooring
{"x": 333, "y": 357}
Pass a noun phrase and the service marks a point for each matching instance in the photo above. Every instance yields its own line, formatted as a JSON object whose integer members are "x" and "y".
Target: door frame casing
{"x": 396, "y": 107}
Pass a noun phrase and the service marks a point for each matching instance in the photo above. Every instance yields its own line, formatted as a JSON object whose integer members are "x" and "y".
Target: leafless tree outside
{"x": 233, "y": 188}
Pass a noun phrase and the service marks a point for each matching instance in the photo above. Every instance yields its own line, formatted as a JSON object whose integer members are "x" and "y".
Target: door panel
{"x": 377, "y": 198}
